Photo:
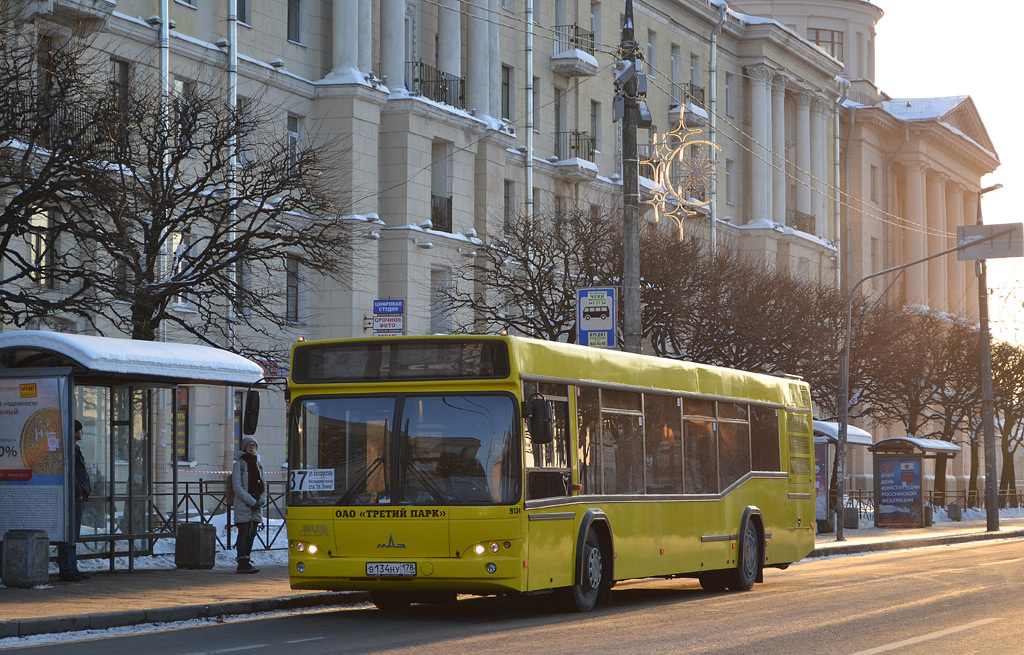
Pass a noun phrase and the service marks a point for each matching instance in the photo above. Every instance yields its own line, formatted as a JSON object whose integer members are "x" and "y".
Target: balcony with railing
{"x": 441, "y": 213}
{"x": 84, "y": 15}
{"x": 571, "y": 149}
{"x": 689, "y": 105}
{"x": 435, "y": 84}
{"x": 574, "y": 52}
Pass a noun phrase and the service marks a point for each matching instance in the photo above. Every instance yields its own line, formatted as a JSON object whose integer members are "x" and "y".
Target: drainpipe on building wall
{"x": 712, "y": 132}
{"x": 165, "y": 118}
{"x": 844, "y": 84}
{"x": 529, "y": 110}
{"x": 889, "y": 259}
{"x": 229, "y": 392}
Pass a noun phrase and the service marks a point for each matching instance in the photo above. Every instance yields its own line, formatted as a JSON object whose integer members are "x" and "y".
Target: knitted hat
{"x": 246, "y": 440}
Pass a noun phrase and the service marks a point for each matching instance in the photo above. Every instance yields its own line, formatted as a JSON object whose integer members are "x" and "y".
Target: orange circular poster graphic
{"x": 41, "y": 442}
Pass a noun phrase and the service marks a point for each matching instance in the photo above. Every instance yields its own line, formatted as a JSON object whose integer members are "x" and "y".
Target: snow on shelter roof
{"x": 854, "y": 436}
{"x": 905, "y": 444}
{"x": 155, "y": 361}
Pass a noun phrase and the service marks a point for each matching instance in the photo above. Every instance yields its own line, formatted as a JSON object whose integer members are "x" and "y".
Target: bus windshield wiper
{"x": 360, "y": 481}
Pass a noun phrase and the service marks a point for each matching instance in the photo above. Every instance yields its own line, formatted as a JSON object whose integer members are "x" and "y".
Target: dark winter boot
{"x": 245, "y": 566}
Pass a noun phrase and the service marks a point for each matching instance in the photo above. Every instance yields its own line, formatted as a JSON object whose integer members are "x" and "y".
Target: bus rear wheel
{"x": 742, "y": 578}
{"x": 583, "y": 596}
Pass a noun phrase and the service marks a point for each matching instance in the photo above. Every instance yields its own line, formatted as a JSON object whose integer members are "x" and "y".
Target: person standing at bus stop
{"x": 249, "y": 485}
{"x": 67, "y": 557}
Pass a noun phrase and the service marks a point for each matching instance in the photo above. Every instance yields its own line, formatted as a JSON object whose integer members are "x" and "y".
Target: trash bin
{"x": 851, "y": 518}
{"x": 954, "y": 512}
{"x": 26, "y": 561}
{"x": 195, "y": 546}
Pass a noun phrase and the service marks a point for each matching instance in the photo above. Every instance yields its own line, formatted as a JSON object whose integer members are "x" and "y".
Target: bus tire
{"x": 583, "y": 596}
{"x": 742, "y": 578}
{"x": 390, "y": 601}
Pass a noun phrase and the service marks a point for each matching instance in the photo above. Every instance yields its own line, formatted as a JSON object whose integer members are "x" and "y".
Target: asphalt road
{"x": 955, "y": 599}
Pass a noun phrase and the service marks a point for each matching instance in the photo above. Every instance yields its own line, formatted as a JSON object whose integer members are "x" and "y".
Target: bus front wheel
{"x": 583, "y": 596}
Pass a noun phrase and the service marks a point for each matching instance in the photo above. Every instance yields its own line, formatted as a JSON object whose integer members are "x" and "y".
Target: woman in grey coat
{"x": 250, "y": 489}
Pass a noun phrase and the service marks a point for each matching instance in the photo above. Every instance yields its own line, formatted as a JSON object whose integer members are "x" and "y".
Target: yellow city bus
{"x": 424, "y": 467}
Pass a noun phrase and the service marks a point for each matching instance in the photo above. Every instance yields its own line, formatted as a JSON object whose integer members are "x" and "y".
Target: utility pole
{"x": 987, "y": 421}
{"x": 629, "y": 85}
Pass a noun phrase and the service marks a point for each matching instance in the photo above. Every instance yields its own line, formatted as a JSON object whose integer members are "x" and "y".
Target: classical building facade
{"x": 452, "y": 117}
{"x": 910, "y": 171}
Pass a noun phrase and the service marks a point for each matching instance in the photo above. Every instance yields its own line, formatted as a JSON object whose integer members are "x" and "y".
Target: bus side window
{"x": 547, "y": 466}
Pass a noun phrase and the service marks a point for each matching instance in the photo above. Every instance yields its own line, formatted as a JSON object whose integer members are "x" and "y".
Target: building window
{"x": 293, "y": 289}
{"x": 440, "y": 308}
{"x": 559, "y": 120}
{"x": 181, "y": 247}
{"x": 595, "y": 125}
{"x": 294, "y": 142}
{"x": 874, "y": 183}
{"x": 730, "y": 182}
{"x": 730, "y": 89}
{"x": 510, "y": 206}
{"x": 42, "y": 244}
{"x": 295, "y": 21}
{"x": 242, "y": 12}
{"x": 595, "y": 21}
{"x": 441, "y": 185}
{"x": 536, "y": 104}
{"x": 831, "y": 41}
{"x": 508, "y": 5}
{"x": 695, "y": 70}
{"x": 184, "y": 114}
{"x": 507, "y": 90}
{"x": 652, "y": 54}
{"x": 675, "y": 64}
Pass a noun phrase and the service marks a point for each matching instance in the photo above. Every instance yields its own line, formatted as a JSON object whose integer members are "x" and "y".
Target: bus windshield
{"x": 423, "y": 449}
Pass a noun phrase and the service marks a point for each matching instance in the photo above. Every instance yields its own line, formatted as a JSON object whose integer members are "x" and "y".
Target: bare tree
{"x": 1008, "y": 405}
{"x": 526, "y": 280}
{"x": 48, "y": 108}
{"x": 183, "y": 212}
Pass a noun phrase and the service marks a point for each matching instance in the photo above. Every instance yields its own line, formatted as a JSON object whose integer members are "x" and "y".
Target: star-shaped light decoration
{"x": 681, "y": 167}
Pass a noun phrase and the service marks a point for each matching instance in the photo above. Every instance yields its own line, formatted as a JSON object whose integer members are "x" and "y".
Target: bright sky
{"x": 932, "y": 48}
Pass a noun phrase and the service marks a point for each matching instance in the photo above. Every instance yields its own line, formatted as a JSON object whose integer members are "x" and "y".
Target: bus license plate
{"x": 398, "y": 569}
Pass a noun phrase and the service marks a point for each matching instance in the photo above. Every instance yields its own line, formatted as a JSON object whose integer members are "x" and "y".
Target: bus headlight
{"x": 300, "y": 547}
{"x": 300, "y": 567}
{"x": 494, "y": 546}
{"x": 491, "y": 567}
{"x": 312, "y": 549}
{"x": 479, "y": 549}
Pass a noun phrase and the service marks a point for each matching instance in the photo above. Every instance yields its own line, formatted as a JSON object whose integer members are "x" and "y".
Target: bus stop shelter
{"x": 899, "y": 480}
{"x": 826, "y": 443}
{"x": 125, "y": 394}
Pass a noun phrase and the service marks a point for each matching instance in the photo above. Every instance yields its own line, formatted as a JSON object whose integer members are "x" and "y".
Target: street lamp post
{"x": 987, "y": 423}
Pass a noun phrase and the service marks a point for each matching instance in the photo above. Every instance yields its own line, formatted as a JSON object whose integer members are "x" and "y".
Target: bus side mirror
{"x": 538, "y": 410}
{"x": 251, "y": 412}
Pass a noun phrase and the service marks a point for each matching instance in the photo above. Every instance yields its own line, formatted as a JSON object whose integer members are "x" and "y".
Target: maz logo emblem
{"x": 391, "y": 543}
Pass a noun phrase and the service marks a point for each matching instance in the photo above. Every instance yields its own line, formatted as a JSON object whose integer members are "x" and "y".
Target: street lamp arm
{"x": 843, "y": 398}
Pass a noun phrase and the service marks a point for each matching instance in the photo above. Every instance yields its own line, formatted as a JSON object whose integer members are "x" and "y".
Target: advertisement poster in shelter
{"x": 821, "y": 474}
{"x": 34, "y": 455}
{"x": 899, "y": 502}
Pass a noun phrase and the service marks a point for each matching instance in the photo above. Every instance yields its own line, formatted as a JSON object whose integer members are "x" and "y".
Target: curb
{"x": 106, "y": 620}
{"x": 923, "y": 542}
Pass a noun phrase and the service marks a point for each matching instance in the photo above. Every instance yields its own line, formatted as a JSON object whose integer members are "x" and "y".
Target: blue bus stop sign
{"x": 595, "y": 317}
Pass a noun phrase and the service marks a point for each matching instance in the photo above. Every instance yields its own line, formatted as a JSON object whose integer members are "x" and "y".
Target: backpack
{"x": 229, "y": 495}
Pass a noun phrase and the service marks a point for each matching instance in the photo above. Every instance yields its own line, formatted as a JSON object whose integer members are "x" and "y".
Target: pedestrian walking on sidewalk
{"x": 249, "y": 485}
{"x": 67, "y": 557}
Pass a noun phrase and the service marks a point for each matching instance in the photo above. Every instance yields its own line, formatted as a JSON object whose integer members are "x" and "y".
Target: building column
{"x": 954, "y": 268}
{"x": 817, "y": 163}
{"x": 779, "y": 149}
{"x": 970, "y": 267}
{"x": 449, "y": 24}
{"x": 915, "y": 224}
{"x": 494, "y": 59}
{"x": 803, "y": 153}
{"x": 392, "y": 33}
{"x": 345, "y": 34}
{"x": 366, "y": 39}
{"x": 935, "y": 219}
{"x": 759, "y": 107}
{"x": 477, "y": 60}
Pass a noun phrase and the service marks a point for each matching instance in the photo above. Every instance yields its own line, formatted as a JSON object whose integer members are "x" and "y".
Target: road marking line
{"x": 932, "y": 635}
{"x": 302, "y": 641}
